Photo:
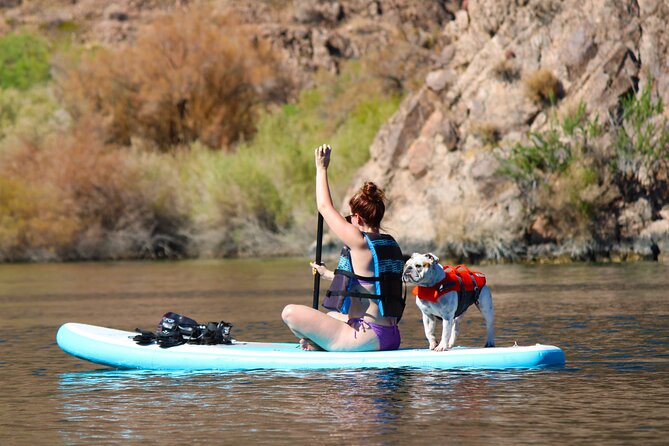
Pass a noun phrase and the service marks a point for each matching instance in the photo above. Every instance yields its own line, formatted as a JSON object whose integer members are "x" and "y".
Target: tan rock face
{"x": 312, "y": 34}
{"x": 435, "y": 157}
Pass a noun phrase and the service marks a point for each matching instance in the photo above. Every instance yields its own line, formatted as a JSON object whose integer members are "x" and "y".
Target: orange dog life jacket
{"x": 458, "y": 278}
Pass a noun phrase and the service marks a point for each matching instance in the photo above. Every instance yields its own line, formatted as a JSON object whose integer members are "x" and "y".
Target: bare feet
{"x": 308, "y": 344}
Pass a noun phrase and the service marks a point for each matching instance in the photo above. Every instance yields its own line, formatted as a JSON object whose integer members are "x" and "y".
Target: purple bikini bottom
{"x": 388, "y": 336}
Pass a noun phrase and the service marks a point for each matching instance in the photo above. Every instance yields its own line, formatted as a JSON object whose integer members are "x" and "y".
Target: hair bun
{"x": 372, "y": 192}
{"x": 368, "y": 204}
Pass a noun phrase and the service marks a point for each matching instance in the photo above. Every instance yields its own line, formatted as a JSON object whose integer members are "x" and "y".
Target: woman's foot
{"x": 308, "y": 344}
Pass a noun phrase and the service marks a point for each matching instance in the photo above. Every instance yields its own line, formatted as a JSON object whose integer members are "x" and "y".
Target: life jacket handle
{"x": 457, "y": 267}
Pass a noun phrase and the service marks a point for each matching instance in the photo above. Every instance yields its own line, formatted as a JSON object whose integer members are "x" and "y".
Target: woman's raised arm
{"x": 346, "y": 232}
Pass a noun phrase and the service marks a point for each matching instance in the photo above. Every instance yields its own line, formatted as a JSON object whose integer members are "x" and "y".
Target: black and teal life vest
{"x": 387, "y": 280}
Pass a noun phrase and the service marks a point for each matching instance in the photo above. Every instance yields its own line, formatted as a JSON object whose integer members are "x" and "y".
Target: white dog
{"x": 447, "y": 293}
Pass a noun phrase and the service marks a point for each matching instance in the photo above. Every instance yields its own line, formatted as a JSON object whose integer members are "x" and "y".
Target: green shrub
{"x": 356, "y": 133}
{"x": 571, "y": 176}
{"x": 24, "y": 61}
{"x": 246, "y": 193}
{"x": 558, "y": 175}
{"x": 544, "y": 153}
{"x": 641, "y": 138}
{"x": 574, "y": 121}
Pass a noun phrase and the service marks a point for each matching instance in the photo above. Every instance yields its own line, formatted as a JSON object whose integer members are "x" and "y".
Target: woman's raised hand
{"x": 323, "y": 156}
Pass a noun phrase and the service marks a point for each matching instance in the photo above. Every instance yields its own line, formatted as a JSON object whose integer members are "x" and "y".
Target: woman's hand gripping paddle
{"x": 319, "y": 250}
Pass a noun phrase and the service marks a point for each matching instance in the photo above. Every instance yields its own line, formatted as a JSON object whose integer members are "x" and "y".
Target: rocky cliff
{"x": 439, "y": 157}
{"x": 537, "y": 128}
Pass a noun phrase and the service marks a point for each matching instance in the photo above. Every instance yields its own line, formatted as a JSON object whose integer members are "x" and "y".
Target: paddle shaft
{"x": 319, "y": 251}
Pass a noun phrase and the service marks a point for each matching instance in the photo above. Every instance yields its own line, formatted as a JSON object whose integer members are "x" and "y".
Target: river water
{"x": 611, "y": 320}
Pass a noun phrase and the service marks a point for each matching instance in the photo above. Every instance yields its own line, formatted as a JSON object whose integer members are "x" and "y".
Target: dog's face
{"x": 422, "y": 269}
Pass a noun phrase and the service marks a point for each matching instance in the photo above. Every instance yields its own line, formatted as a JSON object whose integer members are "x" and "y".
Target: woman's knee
{"x": 289, "y": 313}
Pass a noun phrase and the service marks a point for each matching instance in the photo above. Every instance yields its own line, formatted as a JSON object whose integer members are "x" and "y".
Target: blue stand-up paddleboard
{"x": 117, "y": 349}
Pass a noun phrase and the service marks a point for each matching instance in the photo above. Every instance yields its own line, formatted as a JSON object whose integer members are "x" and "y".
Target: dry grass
{"x": 75, "y": 197}
{"x": 33, "y": 223}
{"x": 191, "y": 76}
{"x": 542, "y": 87}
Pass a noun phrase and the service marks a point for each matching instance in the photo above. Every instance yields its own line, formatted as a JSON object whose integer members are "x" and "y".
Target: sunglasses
{"x": 350, "y": 217}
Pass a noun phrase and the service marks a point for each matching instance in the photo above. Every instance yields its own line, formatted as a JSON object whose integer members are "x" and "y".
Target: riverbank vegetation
{"x": 577, "y": 174}
{"x": 185, "y": 144}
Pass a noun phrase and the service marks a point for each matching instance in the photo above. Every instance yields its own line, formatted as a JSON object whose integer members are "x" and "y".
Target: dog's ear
{"x": 431, "y": 256}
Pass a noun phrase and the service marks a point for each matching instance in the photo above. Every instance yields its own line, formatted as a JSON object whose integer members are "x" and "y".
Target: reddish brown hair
{"x": 368, "y": 204}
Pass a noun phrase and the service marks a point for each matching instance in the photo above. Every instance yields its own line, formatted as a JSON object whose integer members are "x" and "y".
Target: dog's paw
{"x": 489, "y": 344}
{"x": 441, "y": 348}
{"x": 433, "y": 345}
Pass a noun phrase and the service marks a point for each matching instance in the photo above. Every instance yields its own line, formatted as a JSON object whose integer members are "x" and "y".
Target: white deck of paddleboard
{"x": 116, "y": 348}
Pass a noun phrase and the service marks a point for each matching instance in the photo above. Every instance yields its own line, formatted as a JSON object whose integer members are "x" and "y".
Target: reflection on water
{"x": 339, "y": 404}
{"x": 612, "y": 321}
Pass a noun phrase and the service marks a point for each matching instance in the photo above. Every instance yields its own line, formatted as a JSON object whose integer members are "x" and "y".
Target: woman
{"x": 366, "y": 289}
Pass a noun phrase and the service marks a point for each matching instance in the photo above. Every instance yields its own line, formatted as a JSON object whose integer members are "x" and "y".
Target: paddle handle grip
{"x": 319, "y": 252}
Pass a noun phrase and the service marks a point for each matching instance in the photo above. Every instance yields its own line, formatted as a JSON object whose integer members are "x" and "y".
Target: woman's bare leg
{"x": 327, "y": 332}
{"x": 337, "y": 315}
{"x": 308, "y": 344}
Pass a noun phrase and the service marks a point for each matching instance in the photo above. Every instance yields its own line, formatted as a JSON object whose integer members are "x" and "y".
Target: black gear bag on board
{"x": 175, "y": 329}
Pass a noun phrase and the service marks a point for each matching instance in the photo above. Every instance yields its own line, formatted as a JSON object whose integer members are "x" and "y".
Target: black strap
{"x": 144, "y": 337}
{"x": 351, "y": 275}
{"x": 353, "y": 294}
{"x": 477, "y": 290}
{"x": 167, "y": 340}
{"x": 462, "y": 284}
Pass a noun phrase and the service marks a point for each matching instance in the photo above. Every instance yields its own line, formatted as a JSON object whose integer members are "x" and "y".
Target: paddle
{"x": 319, "y": 250}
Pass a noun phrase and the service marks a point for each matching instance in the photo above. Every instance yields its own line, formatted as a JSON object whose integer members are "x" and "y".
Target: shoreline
{"x": 550, "y": 255}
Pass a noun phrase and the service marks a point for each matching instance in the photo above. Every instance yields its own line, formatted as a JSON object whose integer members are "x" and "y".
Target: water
{"x": 612, "y": 321}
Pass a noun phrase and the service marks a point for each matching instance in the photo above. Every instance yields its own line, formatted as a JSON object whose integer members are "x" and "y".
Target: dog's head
{"x": 422, "y": 269}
